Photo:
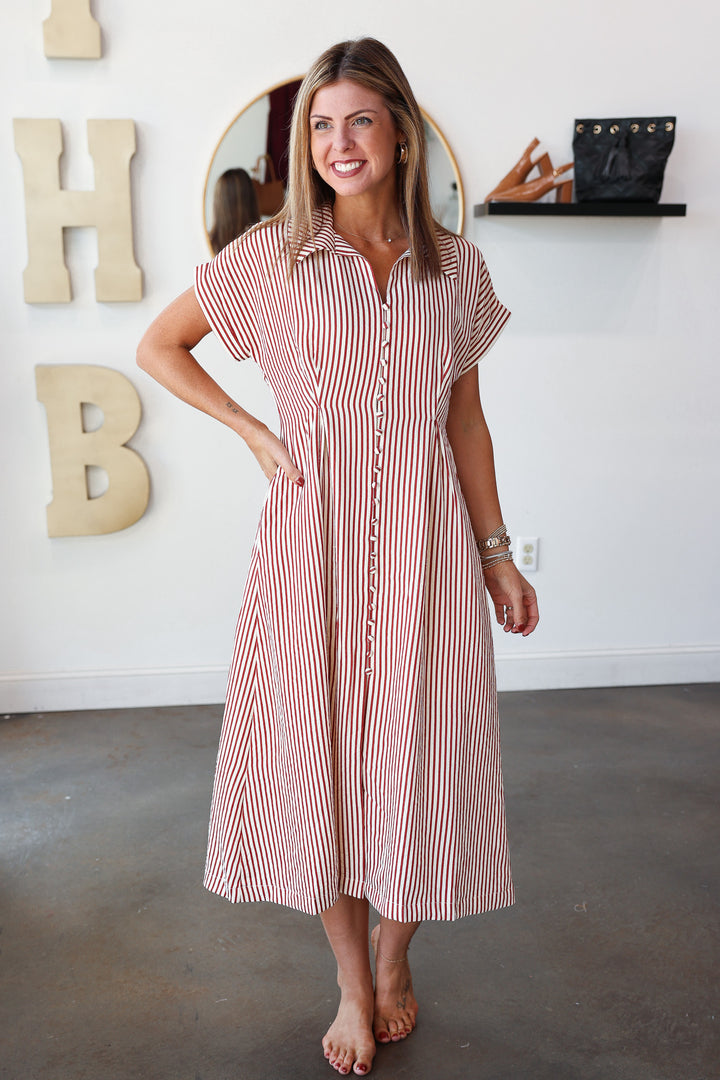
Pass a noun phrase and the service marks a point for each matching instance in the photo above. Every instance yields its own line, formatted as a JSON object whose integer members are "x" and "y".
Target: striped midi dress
{"x": 360, "y": 750}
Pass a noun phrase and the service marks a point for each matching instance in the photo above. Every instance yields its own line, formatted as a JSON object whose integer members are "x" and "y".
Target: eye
{"x": 362, "y": 120}
{"x": 321, "y": 125}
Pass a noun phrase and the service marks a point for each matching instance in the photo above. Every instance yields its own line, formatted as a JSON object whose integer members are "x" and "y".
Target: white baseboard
{"x": 58, "y": 691}
{"x": 143, "y": 688}
{"x": 608, "y": 667}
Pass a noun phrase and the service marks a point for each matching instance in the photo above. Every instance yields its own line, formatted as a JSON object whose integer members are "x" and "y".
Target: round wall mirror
{"x": 260, "y": 131}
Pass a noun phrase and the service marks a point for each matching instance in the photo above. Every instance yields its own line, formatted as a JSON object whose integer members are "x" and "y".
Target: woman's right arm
{"x": 164, "y": 353}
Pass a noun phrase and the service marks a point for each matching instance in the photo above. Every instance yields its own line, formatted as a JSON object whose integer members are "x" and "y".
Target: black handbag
{"x": 622, "y": 160}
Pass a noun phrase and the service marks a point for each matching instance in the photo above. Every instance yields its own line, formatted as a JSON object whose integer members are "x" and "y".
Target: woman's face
{"x": 353, "y": 139}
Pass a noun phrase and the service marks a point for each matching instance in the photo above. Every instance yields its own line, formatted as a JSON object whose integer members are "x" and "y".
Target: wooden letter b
{"x": 63, "y": 389}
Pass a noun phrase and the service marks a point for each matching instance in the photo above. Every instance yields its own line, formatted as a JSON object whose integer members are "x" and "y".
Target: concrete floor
{"x": 117, "y": 965}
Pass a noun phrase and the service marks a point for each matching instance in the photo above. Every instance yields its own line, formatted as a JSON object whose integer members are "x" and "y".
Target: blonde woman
{"x": 359, "y": 761}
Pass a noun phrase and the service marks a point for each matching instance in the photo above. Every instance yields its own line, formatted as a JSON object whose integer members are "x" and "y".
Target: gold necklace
{"x": 389, "y": 240}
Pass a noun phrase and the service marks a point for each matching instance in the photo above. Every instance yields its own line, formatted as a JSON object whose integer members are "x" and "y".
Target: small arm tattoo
{"x": 230, "y": 406}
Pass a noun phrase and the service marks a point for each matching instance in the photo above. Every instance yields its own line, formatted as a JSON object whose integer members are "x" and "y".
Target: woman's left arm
{"x": 514, "y": 598}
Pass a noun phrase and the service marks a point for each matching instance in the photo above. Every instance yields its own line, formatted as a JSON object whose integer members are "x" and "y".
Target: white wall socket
{"x": 526, "y": 557}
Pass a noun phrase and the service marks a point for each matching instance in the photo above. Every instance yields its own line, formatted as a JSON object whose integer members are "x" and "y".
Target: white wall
{"x": 601, "y": 394}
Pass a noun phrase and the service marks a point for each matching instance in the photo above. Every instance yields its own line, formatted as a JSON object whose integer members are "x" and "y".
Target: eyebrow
{"x": 319, "y": 116}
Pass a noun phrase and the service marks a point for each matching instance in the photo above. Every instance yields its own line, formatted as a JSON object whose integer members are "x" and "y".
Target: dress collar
{"x": 324, "y": 239}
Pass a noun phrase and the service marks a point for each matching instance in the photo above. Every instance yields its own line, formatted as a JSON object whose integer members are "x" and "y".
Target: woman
{"x": 235, "y": 208}
{"x": 359, "y": 760}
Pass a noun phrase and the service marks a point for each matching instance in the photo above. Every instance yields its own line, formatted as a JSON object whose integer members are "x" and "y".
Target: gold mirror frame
{"x": 434, "y": 133}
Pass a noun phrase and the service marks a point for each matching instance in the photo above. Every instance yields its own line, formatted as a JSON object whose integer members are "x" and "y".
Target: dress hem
{"x": 432, "y": 911}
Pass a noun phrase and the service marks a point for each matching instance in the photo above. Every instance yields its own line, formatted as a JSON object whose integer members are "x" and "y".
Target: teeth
{"x": 346, "y": 166}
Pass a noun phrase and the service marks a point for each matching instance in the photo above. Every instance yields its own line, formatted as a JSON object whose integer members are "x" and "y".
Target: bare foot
{"x": 395, "y": 1006}
{"x": 349, "y": 1044}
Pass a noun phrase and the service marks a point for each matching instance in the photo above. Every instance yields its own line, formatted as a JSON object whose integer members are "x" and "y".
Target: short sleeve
{"x": 226, "y": 289}
{"x": 488, "y": 319}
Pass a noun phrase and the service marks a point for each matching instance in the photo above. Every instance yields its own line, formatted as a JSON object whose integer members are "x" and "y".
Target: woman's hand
{"x": 515, "y": 602}
{"x": 272, "y": 454}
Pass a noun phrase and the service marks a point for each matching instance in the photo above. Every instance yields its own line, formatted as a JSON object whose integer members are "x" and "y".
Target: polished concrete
{"x": 117, "y": 965}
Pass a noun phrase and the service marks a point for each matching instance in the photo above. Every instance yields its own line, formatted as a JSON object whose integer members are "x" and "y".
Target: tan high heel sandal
{"x": 535, "y": 189}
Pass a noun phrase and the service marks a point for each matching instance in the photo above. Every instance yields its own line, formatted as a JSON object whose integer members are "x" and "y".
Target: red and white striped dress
{"x": 360, "y": 751}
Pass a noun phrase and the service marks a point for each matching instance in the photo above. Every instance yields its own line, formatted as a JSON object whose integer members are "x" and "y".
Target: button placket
{"x": 379, "y": 425}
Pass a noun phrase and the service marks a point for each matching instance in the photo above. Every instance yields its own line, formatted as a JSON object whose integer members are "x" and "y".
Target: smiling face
{"x": 353, "y": 139}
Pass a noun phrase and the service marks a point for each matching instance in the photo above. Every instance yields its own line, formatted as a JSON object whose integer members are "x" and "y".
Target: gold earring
{"x": 403, "y": 154}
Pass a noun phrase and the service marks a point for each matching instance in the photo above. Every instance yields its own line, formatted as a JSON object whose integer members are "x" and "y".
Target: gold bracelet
{"x": 497, "y": 539}
{"x": 493, "y": 542}
{"x": 493, "y": 560}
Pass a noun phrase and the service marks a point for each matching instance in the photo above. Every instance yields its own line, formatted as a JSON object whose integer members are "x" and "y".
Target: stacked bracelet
{"x": 497, "y": 539}
{"x": 492, "y": 560}
{"x": 490, "y": 557}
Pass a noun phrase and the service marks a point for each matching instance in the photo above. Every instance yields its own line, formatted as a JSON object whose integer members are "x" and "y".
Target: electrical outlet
{"x": 526, "y": 557}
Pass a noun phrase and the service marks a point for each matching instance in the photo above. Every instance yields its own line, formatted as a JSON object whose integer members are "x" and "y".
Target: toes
{"x": 334, "y": 1056}
{"x": 344, "y": 1061}
{"x": 381, "y": 1032}
{"x": 404, "y": 1027}
{"x": 393, "y": 1029}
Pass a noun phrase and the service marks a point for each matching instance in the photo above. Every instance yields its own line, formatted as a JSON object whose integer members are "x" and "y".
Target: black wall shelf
{"x": 586, "y": 209}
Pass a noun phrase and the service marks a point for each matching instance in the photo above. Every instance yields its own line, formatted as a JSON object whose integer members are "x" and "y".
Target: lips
{"x": 346, "y": 168}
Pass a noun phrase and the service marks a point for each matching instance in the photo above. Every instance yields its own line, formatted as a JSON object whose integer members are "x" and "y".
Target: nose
{"x": 343, "y": 138}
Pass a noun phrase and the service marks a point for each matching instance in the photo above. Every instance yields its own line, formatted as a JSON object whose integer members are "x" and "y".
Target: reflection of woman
{"x": 359, "y": 760}
{"x": 235, "y": 208}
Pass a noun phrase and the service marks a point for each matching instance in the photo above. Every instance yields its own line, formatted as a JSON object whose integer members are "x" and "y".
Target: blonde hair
{"x": 368, "y": 63}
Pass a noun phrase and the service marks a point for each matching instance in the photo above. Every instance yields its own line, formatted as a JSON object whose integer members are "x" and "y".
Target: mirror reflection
{"x": 247, "y": 175}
